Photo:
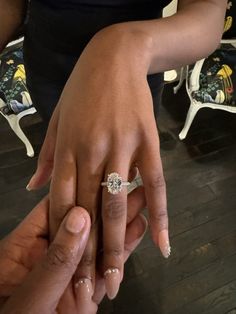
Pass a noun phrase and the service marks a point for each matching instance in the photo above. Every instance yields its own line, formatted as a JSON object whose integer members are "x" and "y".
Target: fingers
{"x": 85, "y": 275}
{"x": 136, "y": 202}
{"x": 46, "y": 156}
{"x": 62, "y": 189}
{"x": 150, "y": 167}
{"x": 48, "y": 281}
{"x": 134, "y": 235}
{"x": 70, "y": 304}
{"x": 114, "y": 212}
{"x": 88, "y": 196}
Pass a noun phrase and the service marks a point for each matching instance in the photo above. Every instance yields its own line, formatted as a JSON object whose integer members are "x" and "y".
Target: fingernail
{"x": 164, "y": 243}
{"x": 84, "y": 289}
{"x": 112, "y": 282}
{"x": 28, "y": 188}
{"x": 84, "y": 293}
{"x": 29, "y": 185}
{"x": 75, "y": 222}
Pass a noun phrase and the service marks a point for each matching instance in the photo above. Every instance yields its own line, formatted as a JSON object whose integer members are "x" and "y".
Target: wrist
{"x": 122, "y": 44}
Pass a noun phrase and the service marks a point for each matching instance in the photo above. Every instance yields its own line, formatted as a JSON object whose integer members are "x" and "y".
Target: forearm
{"x": 168, "y": 43}
{"x": 12, "y": 13}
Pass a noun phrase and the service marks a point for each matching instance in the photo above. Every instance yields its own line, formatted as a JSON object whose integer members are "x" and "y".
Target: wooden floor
{"x": 200, "y": 275}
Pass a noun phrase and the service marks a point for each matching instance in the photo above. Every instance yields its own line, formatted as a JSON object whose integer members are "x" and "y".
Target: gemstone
{"x": 114, "y": 183}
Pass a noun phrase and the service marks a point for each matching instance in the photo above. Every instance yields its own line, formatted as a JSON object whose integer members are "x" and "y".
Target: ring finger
{"x": 114, "y": 213}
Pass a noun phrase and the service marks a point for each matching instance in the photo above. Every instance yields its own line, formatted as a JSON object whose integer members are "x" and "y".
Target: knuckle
{"x": 114, "y": 209}
{"x": 160, "y": 218}
{"x": 114, "y": 252}
{"x": 45, "y": 160}
{"x": 95, "y": 149}
{"x": 156, "y": 182}
{"x": 87, "y": 260}
{"x": 59, "y": 256}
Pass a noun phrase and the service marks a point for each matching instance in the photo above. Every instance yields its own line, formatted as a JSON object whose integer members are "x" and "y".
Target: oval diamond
{"x": 114, "y": 183}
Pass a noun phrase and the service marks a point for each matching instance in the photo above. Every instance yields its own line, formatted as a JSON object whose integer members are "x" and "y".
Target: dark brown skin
{"x": 37, "y": 277}
{"x": 104, "y": 122}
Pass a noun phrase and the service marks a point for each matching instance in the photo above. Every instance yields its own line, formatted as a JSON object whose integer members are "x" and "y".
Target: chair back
{"x": 230, "y": 21}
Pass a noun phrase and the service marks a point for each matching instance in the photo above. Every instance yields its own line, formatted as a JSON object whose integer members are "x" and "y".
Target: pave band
{"x": 114, "y": 183}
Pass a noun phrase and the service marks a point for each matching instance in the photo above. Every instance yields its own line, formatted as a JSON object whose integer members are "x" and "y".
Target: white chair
{"x": 170, "y": 9}
{"x": 211, "y": 81}
{"x": 12, "y": 109}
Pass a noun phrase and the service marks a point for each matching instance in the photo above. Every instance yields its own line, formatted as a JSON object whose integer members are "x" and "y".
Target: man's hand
{"x": 44, "y": 286}
{"x": 34, "y": 276}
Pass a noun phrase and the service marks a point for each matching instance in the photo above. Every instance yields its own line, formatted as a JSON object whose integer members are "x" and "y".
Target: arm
{"x": 168, "y": 43}
{"x": 12, "y": 13}
{"x": 112, "y": 128}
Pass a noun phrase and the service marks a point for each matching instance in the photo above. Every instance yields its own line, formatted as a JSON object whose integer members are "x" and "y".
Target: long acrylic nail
{"x": 28, "y": 188}
{"x": 84, "y": 289}
{"x": 84, "y": 293}
{"x": 112, "y": 282}
{"x": 164, "y": 243}
{"x": 29, "y": 185}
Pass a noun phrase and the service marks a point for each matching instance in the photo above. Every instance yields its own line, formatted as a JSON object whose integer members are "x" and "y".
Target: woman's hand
{"x": 35, "y": 276}
{"x": 103, "y": 123}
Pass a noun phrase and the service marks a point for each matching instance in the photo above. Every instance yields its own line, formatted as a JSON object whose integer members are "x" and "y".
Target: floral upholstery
{"x": 14, "y": 96}
{"x": 230, "y": 21}
{"x": 218, "y": 78}
{"x": 217, "y": 82}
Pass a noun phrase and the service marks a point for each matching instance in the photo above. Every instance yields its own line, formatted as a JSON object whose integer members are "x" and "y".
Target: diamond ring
{"x": 114, "y": 183}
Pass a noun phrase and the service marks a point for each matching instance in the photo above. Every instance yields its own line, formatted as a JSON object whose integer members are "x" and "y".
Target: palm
{"x": 18, "y": 255}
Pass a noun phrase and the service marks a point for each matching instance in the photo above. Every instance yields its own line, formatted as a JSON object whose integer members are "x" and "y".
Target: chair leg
{"x": 189, "y": 119}
{"x": 13, "y": 121}
{"x": 181, "y": 80}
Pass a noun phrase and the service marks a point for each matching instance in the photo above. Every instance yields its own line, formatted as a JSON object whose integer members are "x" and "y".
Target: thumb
{"x": 46, "y": 156}
{"x": 45, "y": 285}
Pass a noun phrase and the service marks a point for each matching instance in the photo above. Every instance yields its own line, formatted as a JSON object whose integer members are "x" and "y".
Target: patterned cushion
{"x": 218, "y": 78}
{"x": 14, "y": 96}
{"x": 230, "y": 20}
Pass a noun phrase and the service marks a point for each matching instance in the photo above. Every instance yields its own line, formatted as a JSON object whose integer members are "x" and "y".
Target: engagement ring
{"x": 114, "y": 183}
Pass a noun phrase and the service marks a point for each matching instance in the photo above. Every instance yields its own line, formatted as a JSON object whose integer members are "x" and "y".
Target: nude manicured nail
{"x": 112, "y": 282}
{"x": 84, "y": 293}
{"x": 29, "y": 185}
{"x": 164, "y": 243}
{"x": 84, "y": 289}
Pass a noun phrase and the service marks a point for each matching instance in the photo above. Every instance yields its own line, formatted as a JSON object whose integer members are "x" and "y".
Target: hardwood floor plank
{"x": 190, "y": 289}
{"x": 217, "y": 302}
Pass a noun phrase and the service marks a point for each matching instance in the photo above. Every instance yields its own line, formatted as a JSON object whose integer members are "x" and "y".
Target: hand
{"x": 25, "y": 281}
{"x": 47, "y": 280}
{"x": 103, "y": 123}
